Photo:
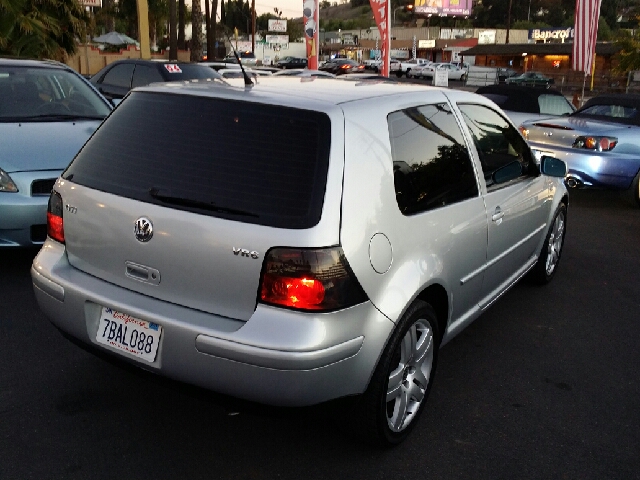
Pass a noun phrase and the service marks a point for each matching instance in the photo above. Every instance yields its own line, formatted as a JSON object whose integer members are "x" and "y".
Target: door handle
{"x": 497, "y": 216}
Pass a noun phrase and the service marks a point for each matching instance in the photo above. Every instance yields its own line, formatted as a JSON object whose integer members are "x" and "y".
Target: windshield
{"x": 34, "y": 93}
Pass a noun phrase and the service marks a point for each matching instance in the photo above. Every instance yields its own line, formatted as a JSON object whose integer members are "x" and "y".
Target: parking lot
{"x": 543, "y": 385}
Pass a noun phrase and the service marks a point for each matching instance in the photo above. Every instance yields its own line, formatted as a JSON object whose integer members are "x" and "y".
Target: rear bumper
{"x": 23, "y": 217}
{"x": 278, "y": 357}
{"x": 594, "y": 169}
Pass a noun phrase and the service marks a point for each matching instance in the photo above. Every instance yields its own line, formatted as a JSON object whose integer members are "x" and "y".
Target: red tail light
{"x": 55, "y": 223}
{"x": 345, "y": 66}
{"x": 309, "y": 279}
{"x": 601, "y": 144}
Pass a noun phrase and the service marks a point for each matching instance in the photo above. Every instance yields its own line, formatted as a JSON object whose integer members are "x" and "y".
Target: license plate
{"x": 128, "y": 334}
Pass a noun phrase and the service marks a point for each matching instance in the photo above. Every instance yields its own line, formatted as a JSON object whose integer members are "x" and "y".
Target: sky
{"x": 290, "y": 8}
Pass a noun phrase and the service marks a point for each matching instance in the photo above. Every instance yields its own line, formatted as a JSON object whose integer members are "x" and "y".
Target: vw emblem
{"x": 143, "y": 229}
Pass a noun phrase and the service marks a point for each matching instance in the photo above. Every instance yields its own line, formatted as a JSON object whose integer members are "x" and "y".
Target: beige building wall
{"x": 89, "y": 59}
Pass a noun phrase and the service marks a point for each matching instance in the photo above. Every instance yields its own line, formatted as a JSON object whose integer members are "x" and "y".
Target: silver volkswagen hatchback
{"x": 297, "y": 241}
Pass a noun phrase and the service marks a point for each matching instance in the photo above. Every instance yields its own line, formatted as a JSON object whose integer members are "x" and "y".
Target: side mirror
{"x": 553, "y": 167}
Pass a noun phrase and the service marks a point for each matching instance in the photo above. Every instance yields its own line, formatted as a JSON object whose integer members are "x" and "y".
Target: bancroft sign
{"x": 551, "y": 34}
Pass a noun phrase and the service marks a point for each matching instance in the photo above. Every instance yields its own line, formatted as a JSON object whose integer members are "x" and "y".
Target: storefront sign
{"x": 551, "y": 34}
{"x": 487, "y": 37}
{"x": 426, "y": 44}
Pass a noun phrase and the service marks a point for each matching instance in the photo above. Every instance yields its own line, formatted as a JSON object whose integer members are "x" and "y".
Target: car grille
{"x": 42, "y": 187}
{"x": 38, "y": 233}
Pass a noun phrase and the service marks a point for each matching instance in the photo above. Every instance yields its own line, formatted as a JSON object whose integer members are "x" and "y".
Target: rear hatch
{"x": 221, "y": 182}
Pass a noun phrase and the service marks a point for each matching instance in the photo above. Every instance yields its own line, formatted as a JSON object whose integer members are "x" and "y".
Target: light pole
{"x": 394, "y": 14}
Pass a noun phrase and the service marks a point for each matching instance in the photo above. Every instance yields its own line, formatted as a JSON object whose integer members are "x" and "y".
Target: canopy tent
{"x": 115, "y": 38}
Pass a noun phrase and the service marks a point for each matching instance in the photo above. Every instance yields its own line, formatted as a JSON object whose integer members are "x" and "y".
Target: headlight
{"x": 600, "y": 144}
{"x": 6, "y": 184}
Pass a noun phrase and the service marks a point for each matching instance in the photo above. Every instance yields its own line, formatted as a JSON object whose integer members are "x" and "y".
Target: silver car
{"x": 330, "y": 253}
{"x": 47, "y": 112}
{"x": 600, "y": 143}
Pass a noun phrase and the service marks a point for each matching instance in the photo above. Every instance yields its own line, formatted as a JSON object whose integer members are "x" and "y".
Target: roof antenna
{"x": 247, "y": 80}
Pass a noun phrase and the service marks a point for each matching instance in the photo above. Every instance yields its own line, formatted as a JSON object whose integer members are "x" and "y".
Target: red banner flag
{"x": 586, "y": 32}
{"x": 381, "y": 14}
{"x": 310, "y": 9}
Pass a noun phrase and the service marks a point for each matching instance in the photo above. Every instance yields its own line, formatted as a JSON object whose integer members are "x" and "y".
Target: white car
{"x": 421, "y": 71}
{"x": 453, "y": 71}
{"x": 408, "y": 66}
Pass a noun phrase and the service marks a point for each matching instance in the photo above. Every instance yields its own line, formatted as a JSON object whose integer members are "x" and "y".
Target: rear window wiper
{"x": 167, "y": 197}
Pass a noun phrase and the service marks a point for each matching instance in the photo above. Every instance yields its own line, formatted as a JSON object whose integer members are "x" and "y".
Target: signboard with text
{"x": 91, "y": 3}
{"x": 487, "y": 37}
{"x": 546, "y": 34}
{"x": 454, "y": 8}
{"x": 426, "y": 44}
{"x": 277, "y": 25}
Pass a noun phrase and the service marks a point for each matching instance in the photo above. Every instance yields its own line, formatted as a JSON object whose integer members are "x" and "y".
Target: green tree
{"x": 628, "y": 58}
{"x": 40, "y": 28}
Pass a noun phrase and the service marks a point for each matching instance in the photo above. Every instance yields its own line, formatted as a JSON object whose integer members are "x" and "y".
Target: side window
{"x": 144, "y": 75}
{"x": 504, "y": 155}
{"x": 554, "y": 105}
{"x": 431, "y": 164}
{"x": 119, "y": 76}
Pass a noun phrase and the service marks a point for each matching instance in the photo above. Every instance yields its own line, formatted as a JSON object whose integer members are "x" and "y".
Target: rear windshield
{"x": 244, "y": 161}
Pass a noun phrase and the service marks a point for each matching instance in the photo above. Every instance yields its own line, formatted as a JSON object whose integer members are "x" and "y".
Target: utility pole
{"x": 253, "y": 26}
{"x": 508, "y": 21}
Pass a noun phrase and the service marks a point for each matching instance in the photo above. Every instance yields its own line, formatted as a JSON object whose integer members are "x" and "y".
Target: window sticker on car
{"x": 171, "y": 68}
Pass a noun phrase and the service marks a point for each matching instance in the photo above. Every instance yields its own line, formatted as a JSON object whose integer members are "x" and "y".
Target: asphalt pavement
{"x": 544, "y": 385}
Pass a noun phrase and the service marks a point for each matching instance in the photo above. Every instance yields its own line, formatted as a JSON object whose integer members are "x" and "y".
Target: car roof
{"x": 631, "y": 100}
{"x": 507, "y": 89}
{"x": 519, "y": 98}
{"x": 24, "y": 62}
{"x": 622, "y": 99}
{"x": 154, "y": 61}
{"x": 299, "y": 90}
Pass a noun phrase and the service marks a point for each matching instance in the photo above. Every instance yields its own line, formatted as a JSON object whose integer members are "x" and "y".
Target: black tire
{"x": 549, "y": 258}
{"x": 634, "y": 192}
{"x": 419, "y": 324}
{"x": 399, "y": 73}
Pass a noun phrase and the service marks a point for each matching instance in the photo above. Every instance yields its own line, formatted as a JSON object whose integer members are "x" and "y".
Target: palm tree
{"x": 196, "y": 32}
{"x": 40, "y": 28}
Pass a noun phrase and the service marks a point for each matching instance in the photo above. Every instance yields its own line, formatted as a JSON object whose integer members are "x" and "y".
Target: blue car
{"x": 600, "y": 143}
{"x": 47, "y": 113}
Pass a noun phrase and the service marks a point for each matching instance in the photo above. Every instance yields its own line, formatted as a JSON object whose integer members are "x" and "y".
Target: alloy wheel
{"x": 408, "y": 381}
{"x": 555, "y": 243}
